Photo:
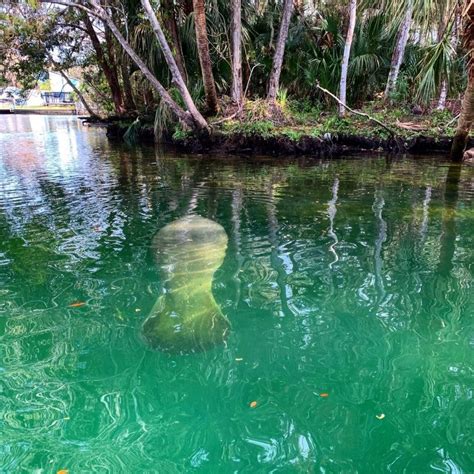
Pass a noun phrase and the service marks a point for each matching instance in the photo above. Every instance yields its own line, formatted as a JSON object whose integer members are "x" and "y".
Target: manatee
{"x": 186, "y": 317}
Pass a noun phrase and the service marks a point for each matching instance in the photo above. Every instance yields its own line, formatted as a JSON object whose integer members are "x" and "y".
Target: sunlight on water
{"x": 347, "y": 285}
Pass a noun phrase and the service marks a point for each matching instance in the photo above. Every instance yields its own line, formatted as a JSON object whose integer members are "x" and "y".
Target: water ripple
{"x": 348, "y": 284}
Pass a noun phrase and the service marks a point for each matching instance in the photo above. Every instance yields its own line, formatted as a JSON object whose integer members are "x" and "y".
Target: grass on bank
{"x": 297, "y": 119}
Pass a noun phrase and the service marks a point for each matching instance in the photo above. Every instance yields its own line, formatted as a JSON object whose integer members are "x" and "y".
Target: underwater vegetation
{"x": 186, "y": 317}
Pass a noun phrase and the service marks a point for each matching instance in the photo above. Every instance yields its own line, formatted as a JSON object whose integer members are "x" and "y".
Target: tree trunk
{"x": 127, "y": 86}
{"x": 465, "y": 121}
{"x": 274, "y": 82}
{"x": 204, "y": 56}
{"x": 442, "y": 96}
{"x": 76, "y": 90}
{"x": 169, "y": 18}
{"x": 399, "y": 51}
{"x": 110, "y": 45}
{"x": 467, "y": 111}
{"x": 185, "y": 117}
{"x": 346, "y": 56}
{"x": 236, "y": 34}
{"x": 110, "y": 73}
{"x": 175, "y": 73}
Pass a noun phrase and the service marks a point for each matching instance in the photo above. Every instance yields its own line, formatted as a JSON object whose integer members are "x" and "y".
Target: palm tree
{"x": 173, "y": 66}
{"x": 274, "y": 81}
{"x": 204, "y": 56}
{"x": 318, "y": 47}
{"x": 346, "y": 56}
{"x": 399, "y": 51}
{"x": 443, "y": 95}
{"x": 236, "y": 35}
{"x": 467, "y": 111}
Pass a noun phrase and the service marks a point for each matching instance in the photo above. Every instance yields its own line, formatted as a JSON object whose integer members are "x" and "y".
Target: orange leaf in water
{"x": 253, "y": 404}
{"x": 63, "y": 471}
{"x": 324, "y": 395}
{"x": 77, "y": 304}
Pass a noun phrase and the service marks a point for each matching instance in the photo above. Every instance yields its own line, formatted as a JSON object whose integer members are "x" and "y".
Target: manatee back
{"x": 190, "y": 244}
{"x": 186, "y": 317}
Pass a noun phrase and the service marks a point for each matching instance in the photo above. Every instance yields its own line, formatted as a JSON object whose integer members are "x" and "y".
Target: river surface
{"x": 348, "y": 285}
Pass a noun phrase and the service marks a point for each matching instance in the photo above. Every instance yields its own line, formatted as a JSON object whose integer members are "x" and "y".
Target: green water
{"x": 350, "y": 277}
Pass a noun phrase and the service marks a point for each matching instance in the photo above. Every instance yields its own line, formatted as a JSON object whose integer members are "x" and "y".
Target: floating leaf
{"x": 63, "y": 471}
{"x": 324, "y": 395}
{"x": 253, "y": 404}
{"x": 77, "y": 304}
{"x": 380, "y": 417}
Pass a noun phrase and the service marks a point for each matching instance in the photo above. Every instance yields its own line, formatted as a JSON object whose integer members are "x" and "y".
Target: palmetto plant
{"x": 436, "y": 63}
{"x": 370, "y": 58}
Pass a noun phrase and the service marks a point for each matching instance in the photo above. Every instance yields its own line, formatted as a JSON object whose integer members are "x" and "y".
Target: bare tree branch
{"x": 355, "y": 112}
{"x": 67, "y": 3}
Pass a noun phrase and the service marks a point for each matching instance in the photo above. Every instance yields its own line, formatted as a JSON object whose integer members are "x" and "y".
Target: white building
{"x": 60, "y": 91}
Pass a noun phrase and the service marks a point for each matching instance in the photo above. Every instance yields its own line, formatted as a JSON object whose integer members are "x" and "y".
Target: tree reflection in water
{"x": 386, "y": 328}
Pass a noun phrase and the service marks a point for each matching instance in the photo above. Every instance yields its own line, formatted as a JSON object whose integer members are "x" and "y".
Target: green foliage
{"x": 263, "y": 128}
{"x": 335, "y": 124}
{"x": 402, "y": 92}
{"x": 165, "y": 121}
{"x": 439, "y": 118}
{"x": 435, "y": 65}
{"x": 180, "y": 133}
{"x": 303, "y": 111}
{"x": 282, "y": 98}
{"x": 132, "y": 134}
{"x": 313, "y": 55}
{"x": 45, "y": 85}
{"x": 292, "y": 134}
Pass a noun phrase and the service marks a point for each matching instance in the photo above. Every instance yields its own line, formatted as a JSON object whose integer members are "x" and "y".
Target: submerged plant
{"x": 186, "y": 317}
{"x": 132, "y": 133}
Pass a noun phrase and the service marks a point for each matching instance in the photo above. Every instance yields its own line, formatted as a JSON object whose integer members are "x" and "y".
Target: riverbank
{"x": 309, "y": 132}
{"x": 282, "y": 144}
{"x": 40, "y": 110}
